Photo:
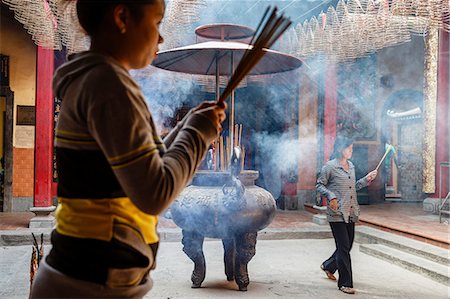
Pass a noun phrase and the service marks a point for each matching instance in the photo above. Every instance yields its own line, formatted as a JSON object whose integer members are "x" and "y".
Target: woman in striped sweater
{"x": 337, "y": 183}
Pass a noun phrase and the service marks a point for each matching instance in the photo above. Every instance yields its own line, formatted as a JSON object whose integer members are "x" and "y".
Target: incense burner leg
{"x": 229, "y": 257}
{"x": 193, "y": 247}
{"x": 245, "y": 250}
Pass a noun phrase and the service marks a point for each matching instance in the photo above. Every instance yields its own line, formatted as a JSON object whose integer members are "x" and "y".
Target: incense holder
{"x": 217, "y": 205}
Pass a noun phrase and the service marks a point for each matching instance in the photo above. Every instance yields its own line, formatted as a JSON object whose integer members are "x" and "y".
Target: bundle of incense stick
{"x": 222, "y": 149}
{"x": 267, "y": 34}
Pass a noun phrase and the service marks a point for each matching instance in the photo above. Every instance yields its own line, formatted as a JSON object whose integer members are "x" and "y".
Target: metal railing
{"x": 442, "y": 204}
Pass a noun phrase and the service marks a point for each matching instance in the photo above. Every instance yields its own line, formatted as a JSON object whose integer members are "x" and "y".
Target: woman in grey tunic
{"x": 115, "y": 173}
{"x": 337, "y": 183}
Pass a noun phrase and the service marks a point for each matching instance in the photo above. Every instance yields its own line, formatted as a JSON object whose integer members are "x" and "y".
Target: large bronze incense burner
{"x": 234, "y": 209}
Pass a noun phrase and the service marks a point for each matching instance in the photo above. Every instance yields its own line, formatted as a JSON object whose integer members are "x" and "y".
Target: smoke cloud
{"x": 269, "y": 110}
{"x": 164, "y": 91}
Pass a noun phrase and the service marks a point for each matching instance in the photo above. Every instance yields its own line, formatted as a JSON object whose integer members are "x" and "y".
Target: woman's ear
{"x": 121, "y": 18}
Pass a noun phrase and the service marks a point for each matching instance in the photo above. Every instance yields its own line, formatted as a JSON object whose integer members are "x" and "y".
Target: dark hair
{"x": 92, "y": 12}
{"x": 341, "y": 143}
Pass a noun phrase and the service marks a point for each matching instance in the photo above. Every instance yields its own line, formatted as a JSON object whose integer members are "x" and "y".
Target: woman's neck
{"x": 344, "y": 163}
{"x": 99, "y": 47}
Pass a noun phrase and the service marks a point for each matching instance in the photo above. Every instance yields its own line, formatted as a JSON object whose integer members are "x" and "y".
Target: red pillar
{"x": 330, "y": 111}
{"x": 44, "y": 129}
{"x": 442, "y": 129}
{"x": 330, "y": 114}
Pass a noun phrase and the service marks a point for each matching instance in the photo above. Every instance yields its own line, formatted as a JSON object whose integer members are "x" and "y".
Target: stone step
{"x": 393, "y": 195}
{"x": 369, "y": 235}
{"x": 23, "y": 237}
{"x": 315, "y": 232}
{"x": 433, "y": 270}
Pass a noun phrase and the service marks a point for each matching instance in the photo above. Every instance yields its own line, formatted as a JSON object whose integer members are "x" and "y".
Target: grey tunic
{"x": 335, "y": 182}
{"x": 103, "y": 109}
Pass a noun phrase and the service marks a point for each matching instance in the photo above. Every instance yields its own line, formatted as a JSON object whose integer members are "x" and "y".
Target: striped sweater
{"x": 336, "y": 182}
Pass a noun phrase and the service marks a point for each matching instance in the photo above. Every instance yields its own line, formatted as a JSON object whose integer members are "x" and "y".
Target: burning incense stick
{"x": 222, "y": 157}
{"x": 240, "y": 135}
{"x": 389, "y": 148}
{"x": 273, "y": 28}
{"x": 243, "y": 158}
{"x": 222, "y": 148}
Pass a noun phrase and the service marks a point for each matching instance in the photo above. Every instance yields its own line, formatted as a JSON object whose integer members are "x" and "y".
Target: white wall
{"x": 18, "y": 45}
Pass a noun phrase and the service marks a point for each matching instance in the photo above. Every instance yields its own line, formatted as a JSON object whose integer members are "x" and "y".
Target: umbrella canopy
{"x": 219, "y": 58}
{"x": 201, "y": 59}
{"x": 224, "y": 31}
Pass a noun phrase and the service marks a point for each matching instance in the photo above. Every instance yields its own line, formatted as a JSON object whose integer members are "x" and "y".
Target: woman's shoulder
{"x": 100, "y": 69}
{"x": 108, "y": 77}
{"x": 331, "y": 163}
{"x": 104, "y": 80}
{"x": 350, "y": 164}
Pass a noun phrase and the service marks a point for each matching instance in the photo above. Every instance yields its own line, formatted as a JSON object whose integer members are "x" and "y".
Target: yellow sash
{"x": 93, "y": 219}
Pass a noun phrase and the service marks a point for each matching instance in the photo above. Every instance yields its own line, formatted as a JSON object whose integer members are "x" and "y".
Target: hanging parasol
{"x": 219, "y": 59}
{"x": 225, "y": 32}
{"x": 215, "y": 58}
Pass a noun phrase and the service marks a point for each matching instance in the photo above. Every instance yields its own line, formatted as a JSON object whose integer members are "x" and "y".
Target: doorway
{"x": 6, "y": 151}
{"x": 402, "y": 127}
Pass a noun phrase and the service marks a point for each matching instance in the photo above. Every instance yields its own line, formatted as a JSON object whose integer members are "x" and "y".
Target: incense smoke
{"x": 274, "y": 135}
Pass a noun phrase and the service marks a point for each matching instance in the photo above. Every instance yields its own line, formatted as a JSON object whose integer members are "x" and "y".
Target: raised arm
{"x": 124, "y": 130}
